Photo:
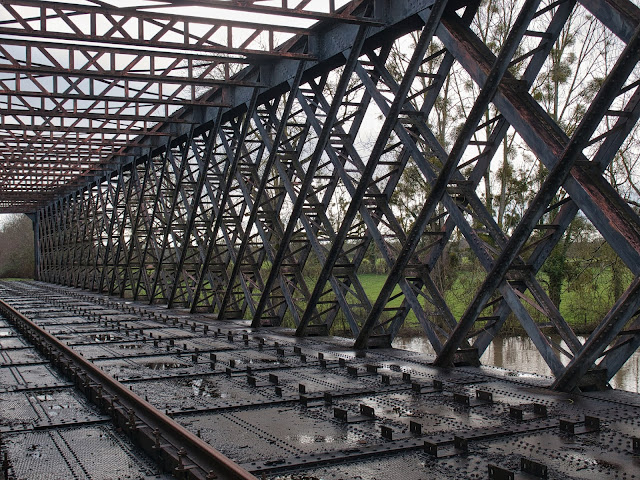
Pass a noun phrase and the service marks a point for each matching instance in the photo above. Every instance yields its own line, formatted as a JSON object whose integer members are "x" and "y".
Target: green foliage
{"x": 555, "y": 270}
{"x": 16, "y": 248}
{"x": 586, "y": 296}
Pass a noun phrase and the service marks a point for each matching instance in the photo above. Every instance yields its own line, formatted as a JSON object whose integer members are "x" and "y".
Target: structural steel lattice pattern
{"x": 224, "y": 205}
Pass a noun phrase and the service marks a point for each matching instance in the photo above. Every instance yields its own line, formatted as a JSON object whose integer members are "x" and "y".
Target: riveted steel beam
{"x": 260, "y": 193}
{"x": 367, "y": 174}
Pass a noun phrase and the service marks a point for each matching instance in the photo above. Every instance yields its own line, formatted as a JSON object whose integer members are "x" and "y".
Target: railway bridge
{"x": 208, "y": 180}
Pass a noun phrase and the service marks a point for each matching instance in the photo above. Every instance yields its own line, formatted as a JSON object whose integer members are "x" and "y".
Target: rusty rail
{"x": 176, "y": 449}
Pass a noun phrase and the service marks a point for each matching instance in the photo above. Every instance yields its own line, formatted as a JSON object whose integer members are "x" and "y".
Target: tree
{"x": 565, "y": 87}
{"x": 16, "y": 248}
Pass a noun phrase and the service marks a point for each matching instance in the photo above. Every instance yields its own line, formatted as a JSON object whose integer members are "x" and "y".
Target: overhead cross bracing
{"x": 91, "y": 79}
{"x": 230, "y": 206}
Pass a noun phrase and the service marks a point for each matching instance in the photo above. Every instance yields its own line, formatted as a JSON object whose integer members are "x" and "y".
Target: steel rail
{"x": 175, "y": 448}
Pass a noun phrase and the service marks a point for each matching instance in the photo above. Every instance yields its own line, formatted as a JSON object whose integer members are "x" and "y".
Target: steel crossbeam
{"x": 226, "y": 226}
{"x": 267, "y": 202}
{"x": 312, "y": 226}
{"x": 322, "y": 141}
{"x": 203, "y": 165}
{"x": 543, "y": 247}
{"x": 605, "y": 232}
{"x": 141, "y": 284}
{"x": 448, "y": 170}
{"x": 546, "y": 139}
{"x": 199, "y": 209}
{"x": 81, "y": 62}
{"x": 195, "y": 161}
{"x": 125, "y": 249}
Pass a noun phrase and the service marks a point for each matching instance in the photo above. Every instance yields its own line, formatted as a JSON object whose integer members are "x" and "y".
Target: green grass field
{"x": 583, "y": 302}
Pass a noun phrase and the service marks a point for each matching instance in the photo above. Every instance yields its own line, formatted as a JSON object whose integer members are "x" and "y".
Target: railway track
{"x": 205, "y": 399}
{"x": 172, "y": 446}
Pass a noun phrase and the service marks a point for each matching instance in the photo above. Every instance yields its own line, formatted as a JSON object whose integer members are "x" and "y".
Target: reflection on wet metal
{"x": 163, "y": 366}
{"x": 201, "y": 387}
{"x": 106, "y": 337}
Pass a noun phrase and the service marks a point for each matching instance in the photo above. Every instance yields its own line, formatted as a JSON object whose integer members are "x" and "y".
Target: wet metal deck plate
{"x": 285, "y": 407}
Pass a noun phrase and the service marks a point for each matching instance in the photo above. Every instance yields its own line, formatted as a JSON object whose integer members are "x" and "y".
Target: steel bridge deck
{"x": 287, "y": 407}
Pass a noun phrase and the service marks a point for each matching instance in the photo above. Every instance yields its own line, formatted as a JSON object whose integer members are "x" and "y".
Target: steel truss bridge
{"x": 188, "y": 152}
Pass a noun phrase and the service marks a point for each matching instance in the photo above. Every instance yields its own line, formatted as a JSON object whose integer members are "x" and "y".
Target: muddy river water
{"x": 519, "y": 353}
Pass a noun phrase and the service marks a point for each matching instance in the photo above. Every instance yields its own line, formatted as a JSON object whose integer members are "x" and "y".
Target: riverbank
{"x": 517, "y": 353}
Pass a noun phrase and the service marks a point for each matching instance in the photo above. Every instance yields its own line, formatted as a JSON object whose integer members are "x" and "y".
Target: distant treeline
{"x": 16, "y": 248}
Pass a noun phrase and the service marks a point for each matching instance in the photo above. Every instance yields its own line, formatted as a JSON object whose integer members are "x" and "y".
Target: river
{"x": 519, "y": 353}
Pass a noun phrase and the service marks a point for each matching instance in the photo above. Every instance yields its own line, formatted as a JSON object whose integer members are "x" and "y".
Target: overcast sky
{"x": 4, "y": 217}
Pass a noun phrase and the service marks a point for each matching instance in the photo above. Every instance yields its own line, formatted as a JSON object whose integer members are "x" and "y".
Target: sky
{"x": 4, "y": 217}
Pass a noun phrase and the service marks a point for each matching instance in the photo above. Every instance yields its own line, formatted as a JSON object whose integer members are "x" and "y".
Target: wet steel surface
{"x": 284, "y": 407}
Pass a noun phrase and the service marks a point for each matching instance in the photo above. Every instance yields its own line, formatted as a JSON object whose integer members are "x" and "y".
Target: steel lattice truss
{"x": 224, "y": 206}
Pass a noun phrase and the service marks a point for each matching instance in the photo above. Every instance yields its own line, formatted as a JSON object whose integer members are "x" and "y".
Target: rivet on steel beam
{"x": 132, "y": 419}
{"x": 156, "y": 436}
{"x": 181, "y": 454}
